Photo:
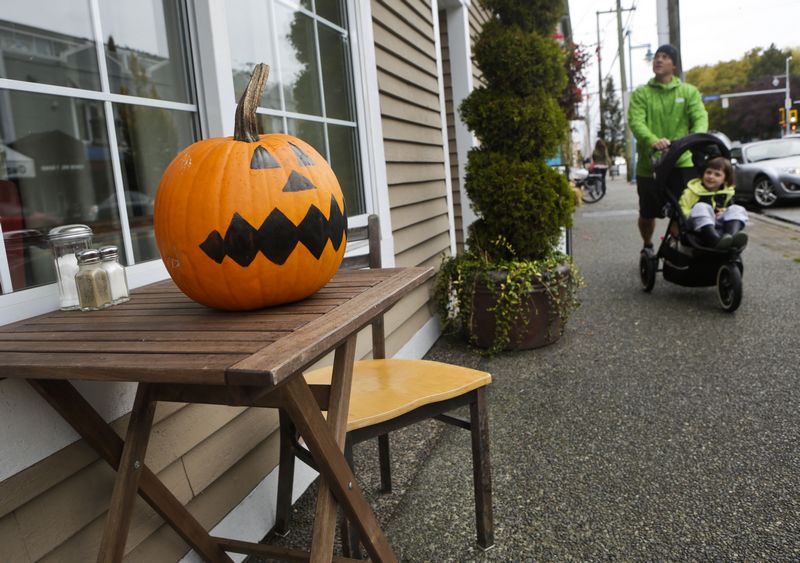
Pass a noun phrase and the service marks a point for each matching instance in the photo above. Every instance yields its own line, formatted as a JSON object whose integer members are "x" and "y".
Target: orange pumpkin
{"x": 252, "y": 220}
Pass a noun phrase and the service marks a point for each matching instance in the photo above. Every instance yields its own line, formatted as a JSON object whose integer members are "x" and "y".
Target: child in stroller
{"x": 706, "y": 203}
{"x": 683, "y": 256}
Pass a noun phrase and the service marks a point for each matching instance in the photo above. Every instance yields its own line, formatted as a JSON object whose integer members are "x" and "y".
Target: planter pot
{"x": 543, "y": 321}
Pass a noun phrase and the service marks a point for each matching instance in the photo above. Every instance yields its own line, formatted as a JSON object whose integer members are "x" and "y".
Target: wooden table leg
{"x": 338, "y": 406}
{"x": 71, "y": 405}
{"x": 301, "y": 406}
{"x": 118, "y": 519}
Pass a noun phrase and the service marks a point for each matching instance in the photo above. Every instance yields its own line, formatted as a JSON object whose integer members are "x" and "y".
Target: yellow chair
{"x": 389, "y": 394}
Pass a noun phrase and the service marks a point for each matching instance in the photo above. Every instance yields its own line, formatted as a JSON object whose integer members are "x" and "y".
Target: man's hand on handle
{"x": 661, "y": 144}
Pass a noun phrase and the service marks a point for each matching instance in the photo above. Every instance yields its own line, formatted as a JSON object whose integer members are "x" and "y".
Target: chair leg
{"x": 385, "y": 463}
{"x": 481, "y": 469}
{"x": 350, "y": 541}
{"x": 285, "y": 475}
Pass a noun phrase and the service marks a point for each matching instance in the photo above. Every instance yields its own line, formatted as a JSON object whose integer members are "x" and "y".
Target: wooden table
{"x": 178, "y": 350}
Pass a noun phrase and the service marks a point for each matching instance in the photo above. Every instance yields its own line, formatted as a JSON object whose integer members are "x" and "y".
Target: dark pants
{"x": 652, "y": 200}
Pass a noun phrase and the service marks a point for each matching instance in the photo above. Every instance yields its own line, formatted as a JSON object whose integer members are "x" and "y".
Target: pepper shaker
{"x": 91, "y": 281}
{"x": 117, "y": 279}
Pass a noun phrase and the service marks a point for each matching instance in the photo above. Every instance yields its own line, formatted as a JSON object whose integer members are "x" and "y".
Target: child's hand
{"x": 719, "y": 212}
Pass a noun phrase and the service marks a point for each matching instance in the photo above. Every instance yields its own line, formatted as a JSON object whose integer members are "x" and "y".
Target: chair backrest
{"x": 371, "y": 259}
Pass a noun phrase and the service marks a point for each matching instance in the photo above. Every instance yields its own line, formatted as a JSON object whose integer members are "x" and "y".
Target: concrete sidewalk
{"x": 657, "y": 428}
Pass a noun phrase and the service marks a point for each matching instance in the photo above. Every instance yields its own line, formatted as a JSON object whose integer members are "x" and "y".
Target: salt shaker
{"x": 66, "y": 241}
{"x": 116, "y": 274}
{"x": 91, "y": 281}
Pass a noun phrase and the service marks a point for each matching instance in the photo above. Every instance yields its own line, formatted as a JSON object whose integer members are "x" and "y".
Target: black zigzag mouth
{"x": 277, "y": 236}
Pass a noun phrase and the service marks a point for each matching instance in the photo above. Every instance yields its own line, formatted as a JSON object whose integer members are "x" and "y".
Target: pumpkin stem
{"x": 245, "y": 129}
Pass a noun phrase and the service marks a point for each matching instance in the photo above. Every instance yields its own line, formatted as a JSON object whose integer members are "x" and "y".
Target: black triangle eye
{"x": 262, "y": 159}
{"x": 298, "y": 183}
{"x": 302, "y": 157}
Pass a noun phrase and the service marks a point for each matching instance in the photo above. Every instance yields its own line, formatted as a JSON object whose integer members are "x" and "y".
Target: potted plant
{"x": 512, "y": 288}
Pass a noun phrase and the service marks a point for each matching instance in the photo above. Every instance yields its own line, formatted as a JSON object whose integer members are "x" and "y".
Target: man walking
{"x": 663, "y": 110}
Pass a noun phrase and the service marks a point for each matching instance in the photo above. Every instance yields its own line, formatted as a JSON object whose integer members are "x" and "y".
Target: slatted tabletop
{"x": 161, "y": 336}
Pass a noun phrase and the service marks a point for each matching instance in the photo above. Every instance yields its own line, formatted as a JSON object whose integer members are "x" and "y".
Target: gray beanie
{"x": 670, "y": 51}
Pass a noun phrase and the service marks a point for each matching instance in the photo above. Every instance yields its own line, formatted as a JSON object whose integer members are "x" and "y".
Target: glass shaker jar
{"x": 66, "y": 241}
{"x": 91, "y": 281}
{"x": 116, "y": 274}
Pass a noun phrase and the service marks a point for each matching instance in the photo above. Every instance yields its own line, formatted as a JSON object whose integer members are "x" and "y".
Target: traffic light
{"x": 792, "y": 116}
{"x": 782, "y": 120}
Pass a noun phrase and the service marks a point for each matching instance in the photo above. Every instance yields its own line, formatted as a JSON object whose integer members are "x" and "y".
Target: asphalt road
{"x": 658, "y": 428}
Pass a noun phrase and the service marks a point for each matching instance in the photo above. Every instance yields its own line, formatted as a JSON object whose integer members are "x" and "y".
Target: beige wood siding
{"x": 210, "y": 457}
{"x": 405, "y": 48}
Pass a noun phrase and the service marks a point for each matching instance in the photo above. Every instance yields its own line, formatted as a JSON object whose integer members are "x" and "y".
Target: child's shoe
{"x": 739, "y": 237}
{"x": 712, "y": 239}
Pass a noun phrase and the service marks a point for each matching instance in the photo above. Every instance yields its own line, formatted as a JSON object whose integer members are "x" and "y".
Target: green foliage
{"x": 612, "y": 128}
{"x": 504, "y": 123}
{"x": 524, "y": 202}
{"x": 539, "y": 16}
{"x": 517, "y": 62}
{"x": 750, "y": 117}
{"x": 511, "y": 282}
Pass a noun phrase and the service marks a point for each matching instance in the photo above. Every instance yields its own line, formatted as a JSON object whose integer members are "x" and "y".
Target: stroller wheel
{"x": 648, "y": 266}
{"x": 729, "y": 287}
{"x": 593, "y": 190}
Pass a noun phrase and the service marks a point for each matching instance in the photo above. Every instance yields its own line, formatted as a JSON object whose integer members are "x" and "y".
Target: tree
{"x": 613, "y": 131}
{"x": 747, "y": 117}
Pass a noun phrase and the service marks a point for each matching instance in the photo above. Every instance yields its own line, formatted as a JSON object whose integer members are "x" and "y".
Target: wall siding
{"x": 411, "y": 117}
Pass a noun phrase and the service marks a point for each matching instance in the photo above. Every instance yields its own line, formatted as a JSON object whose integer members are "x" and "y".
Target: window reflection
{"x": 149, "y": 138}
{"x": 55, "y": 169}
{"x": 249, "y": 45}
{"x": 299, "y": 67}
{"x": 347, "y": 166}
{"x": 331, "y": 10}
{"x": 334, "y": 52}
{"x": 48, "y": 42}
{"x": 145, "y": 54}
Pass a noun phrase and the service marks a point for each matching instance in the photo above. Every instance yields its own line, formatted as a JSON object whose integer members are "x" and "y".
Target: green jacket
{"x": 669, "y": 111}
{"x": 695, "y": 191}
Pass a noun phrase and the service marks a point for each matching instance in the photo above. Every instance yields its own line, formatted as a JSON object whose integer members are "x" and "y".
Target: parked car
{"x": 768, "y": 171}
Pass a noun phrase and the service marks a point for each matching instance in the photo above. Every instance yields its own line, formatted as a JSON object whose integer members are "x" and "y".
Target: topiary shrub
{"x": 522, "y": 203}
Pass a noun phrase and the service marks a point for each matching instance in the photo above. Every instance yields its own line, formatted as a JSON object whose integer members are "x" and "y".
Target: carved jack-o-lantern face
{"x": 246, "y": 224}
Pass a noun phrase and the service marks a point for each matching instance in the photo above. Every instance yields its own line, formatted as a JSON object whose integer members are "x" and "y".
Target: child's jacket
{"x": 696, "y": 192}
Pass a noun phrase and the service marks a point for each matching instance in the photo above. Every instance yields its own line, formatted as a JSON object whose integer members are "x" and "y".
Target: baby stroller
{"x": 681, "y": 257}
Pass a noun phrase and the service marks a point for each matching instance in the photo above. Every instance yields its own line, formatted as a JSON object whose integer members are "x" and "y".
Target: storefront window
{"x": 60, "y": 161}
{"x": 310, "y": 89}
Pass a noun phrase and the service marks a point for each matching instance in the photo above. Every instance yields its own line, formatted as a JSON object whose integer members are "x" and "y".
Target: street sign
{"x": 711, "y": 98}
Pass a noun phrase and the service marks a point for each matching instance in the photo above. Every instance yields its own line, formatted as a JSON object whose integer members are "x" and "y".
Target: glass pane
{"x": 331, "y": 10}
{"x": 250, "y": 43}
{"x": 299, "y": 68}
{"x": 311, "y": 132}
{"x": 347, "y": 166}
{"x": 49, "y": 41}
{"x": 334, "y": 52}
{"x": 54, "y": 170}
{"x": 145, "y": 49}
{"x": 269, "y": 124}
{"x": 149, "y": 138}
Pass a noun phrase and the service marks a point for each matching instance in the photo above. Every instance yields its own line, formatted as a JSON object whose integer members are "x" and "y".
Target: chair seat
{"x": 385, "y": 389}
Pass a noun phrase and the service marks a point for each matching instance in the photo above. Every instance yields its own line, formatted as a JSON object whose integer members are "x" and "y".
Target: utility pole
{"x": 599, "y": 68}
{"x": 624, "y": 86}
{"x": 674, "y": 18}
{"x": 600, "y": 74}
